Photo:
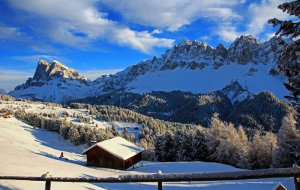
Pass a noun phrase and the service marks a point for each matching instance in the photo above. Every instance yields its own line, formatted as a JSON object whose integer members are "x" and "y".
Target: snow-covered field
{"x": 26, "y": 151}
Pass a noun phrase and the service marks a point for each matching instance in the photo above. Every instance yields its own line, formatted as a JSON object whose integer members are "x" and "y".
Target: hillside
{"x": 39, "y": 150}
{"x": 233, "y": 103}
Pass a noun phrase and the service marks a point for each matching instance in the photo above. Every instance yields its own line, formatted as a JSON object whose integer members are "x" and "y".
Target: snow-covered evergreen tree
{"x": 164, "y": 148}
{"x": 288, "y": 150}
{"x": 90, "y": 137}
{"x": 64, "y": 131}
{"x": 289, "y": 60}
{"x": 199, "y": 146}
{"x": 184, "y": 149}
{"x": 74, "y": 135}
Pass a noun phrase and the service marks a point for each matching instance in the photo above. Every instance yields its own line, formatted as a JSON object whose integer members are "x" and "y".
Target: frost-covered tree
{"x": 233, "y": 146}
{"x": 289, "y": 60}
{"x": 261, "y": 150}
{"x": 214, "y": 134}
{"x": 288, "y": 144}
{"x": 90, "y": 137}
{"x": 64, "y": 131}
{"x": 244, "y": 148}
{"x": 74, "y": 135}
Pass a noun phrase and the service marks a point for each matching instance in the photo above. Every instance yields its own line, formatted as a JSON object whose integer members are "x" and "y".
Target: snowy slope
{"x": 44, "y": 108}
{"x": 210, "y": 80}
{"x": 29, "y": 151}
{"x": 55, "y": 91}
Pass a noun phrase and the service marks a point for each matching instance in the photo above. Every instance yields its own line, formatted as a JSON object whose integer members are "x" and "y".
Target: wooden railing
{"x": 173, "y": 177}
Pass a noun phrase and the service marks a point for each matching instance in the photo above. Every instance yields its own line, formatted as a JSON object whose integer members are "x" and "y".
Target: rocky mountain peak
{"x": 243, "y": 49}
{"x": 46, "y": 71}
{"x": 184, "y": 42}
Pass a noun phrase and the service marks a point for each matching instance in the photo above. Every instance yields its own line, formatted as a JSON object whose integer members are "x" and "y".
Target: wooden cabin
{"x": 116, "y": 153}
{"x": 279, "y": 187}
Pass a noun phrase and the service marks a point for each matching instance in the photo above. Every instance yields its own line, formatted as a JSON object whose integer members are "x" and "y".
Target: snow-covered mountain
{"x": 200, "y": 68}
{"x": 189, "y": 66}
{"x": 54, "y": 82}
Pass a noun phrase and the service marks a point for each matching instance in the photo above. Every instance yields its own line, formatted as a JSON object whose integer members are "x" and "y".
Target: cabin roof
{"x": 118, "y": 147}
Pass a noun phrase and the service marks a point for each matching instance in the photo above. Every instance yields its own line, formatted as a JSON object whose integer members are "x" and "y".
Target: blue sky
{"x": 104, "y": 36}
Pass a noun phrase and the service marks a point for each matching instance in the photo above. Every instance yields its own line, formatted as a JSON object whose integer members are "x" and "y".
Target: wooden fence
{"x": 173, "y": 177}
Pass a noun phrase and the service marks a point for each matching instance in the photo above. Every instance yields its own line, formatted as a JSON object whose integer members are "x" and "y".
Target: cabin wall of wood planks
{"x": 97, "y": 156}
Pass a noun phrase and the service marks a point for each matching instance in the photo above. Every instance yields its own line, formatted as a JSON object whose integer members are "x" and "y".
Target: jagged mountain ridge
{"x": 189, "y": 66}
{"x": 199, "y": 68}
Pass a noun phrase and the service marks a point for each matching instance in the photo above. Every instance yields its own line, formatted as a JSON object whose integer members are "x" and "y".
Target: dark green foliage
{"x": 263, "y": 111}
{"x": 164, "y": 148}
{"x": 199, "y": 145}
{"x": 289, "y": 60}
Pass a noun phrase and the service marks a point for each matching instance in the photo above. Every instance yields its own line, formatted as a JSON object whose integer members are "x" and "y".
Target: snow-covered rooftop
{"x": 119, "y": 147}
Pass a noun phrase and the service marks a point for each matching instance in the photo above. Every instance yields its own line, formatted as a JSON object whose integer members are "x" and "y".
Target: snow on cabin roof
{"x": 119, "y": 147}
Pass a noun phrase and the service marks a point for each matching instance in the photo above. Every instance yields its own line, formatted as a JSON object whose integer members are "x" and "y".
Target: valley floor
{"x": 27, "y": 151}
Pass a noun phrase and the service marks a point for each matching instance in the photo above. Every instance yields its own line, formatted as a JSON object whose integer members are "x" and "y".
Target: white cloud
{"x": 227, "y": 33}
{"x": 79, "y": 23}
{"x": 94, "y": 74}
{"x": 255, "y": 21}
{"x": 173, "y": 14}
{"x": 9, "y": 33}
{"x": 139, "y": 40}
{"x": 260, "y": 13}
{"x": 35, "y": 58}
{"x": 9, "y": 79}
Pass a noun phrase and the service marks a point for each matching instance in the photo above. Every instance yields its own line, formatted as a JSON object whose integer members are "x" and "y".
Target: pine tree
{"x": 288, "y": 144}
{"x": 289, "y": 60}
{"x": 164, "y": 148}
{"x": 184, "y": 148}
{"x": 199, "y": 146}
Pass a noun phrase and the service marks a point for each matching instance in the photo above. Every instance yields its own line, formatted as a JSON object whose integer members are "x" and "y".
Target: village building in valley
{"x": 116, "y": 153}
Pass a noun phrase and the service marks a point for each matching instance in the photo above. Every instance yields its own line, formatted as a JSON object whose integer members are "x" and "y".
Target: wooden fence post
{"x": 48, "y": 185}
{"x": 297, "y": 183}
{"x": 159, "y": 185}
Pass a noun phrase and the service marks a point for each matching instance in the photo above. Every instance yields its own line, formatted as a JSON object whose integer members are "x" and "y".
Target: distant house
{"x": 116, "y": 153}
{"x": 6, "y": 115}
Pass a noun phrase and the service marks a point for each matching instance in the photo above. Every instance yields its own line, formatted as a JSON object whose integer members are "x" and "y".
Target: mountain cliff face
{"x": 193, "y": 67}
{"x": 54, "y": 82}
{"x": 46, "y": 71}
